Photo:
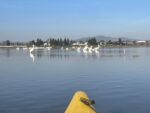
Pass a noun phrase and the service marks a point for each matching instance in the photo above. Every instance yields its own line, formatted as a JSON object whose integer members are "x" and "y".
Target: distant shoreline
{"x": 117, "y": 46}
{"x": 13, "y": 46}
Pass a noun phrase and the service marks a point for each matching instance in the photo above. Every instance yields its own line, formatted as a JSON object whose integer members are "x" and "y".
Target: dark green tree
{"x": 92, "y": 41}
{"x": 7, "y": 42}
{"x": 61, "y": 42}
{"x": 120, "y": 41}
{"x": 39, "y": 42}
{"x": 31, "y": 43}
{"x": 109, "y": 42}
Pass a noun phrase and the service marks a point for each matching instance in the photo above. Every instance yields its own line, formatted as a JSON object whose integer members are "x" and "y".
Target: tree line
{"x": 93, "y": 41}
{"x": 64, "y": 42}
{"x": 58, "y": 42}
{"x": 52, "y": 42}
{"x": 11, "y": 43}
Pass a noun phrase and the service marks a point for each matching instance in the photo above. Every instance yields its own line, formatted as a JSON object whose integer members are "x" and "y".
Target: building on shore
{"x": 141, "y": 42}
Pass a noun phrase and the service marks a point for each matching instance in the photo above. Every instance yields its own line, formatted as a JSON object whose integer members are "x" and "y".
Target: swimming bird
{"x": 18, "y": 48}
{"x": 85, "y": 49}
{"x": 90, "y": 49}
{"x": 67, "y": 49}
{"x": 32, "y": 49}
{"x": 96, "y": 49}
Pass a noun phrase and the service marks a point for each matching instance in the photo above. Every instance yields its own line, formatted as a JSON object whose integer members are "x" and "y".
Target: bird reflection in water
{"x": 32, "y": 57}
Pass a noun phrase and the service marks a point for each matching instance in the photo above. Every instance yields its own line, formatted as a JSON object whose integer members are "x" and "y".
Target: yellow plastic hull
{"x": 77, "y": 106}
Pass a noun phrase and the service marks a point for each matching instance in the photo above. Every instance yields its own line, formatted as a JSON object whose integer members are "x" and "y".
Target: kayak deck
{"x": 80, "y": 103}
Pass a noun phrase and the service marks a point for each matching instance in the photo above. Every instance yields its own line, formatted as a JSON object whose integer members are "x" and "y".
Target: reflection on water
{"x": 62, "y": 53}
{"x": 5, "y": 52}
{"x": 58, "y": 53}
{"x": 32, "y": 57}
{"x": 118, "y": 79}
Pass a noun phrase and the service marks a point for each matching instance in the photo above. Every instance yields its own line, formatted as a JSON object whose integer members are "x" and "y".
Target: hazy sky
{"x": 24, "y": 20}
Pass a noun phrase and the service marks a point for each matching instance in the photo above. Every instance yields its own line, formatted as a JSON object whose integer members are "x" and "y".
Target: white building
{"x": 79, "y": 44}
{"x": 141, "y": 42}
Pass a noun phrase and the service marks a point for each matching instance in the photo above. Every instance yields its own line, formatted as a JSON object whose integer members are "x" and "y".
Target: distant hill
{"x": 105, "y": 38}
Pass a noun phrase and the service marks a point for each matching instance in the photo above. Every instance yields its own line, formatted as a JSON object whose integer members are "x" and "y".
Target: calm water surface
{"x": 44, "y": 82}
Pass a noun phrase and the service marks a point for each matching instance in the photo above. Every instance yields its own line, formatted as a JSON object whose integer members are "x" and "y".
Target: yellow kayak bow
{"x": 80, "y": 103}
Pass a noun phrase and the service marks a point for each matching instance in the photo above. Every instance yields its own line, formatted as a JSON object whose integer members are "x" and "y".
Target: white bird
{"x": 90, "y": 49}
{"x": 67, "y": 49}
{"x": 85, "y": 49}
{"x": 97, "y": 48}
{"x": 18, "y": 48}
{"x": 32, "y": 49}
{"x": 96, "y": 51}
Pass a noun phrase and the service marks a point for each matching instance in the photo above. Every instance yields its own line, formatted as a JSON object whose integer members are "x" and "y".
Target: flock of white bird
{"x": 90, "y": 49}
{"x": 85, "y": 49}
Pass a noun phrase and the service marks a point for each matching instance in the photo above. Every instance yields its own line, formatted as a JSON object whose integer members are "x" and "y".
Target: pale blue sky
{"x": 24, "y": 20}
